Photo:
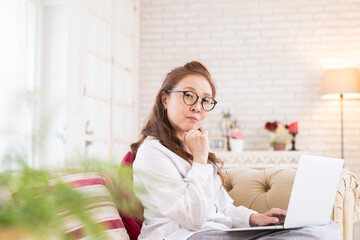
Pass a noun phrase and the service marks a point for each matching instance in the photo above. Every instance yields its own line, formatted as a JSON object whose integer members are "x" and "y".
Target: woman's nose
{"x": 196, "y": 107}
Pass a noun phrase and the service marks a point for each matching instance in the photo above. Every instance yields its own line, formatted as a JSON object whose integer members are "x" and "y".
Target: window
{"x": 19, "y": 78}
{"x": 82, "y": 55}
{"x": 109, "y": 83}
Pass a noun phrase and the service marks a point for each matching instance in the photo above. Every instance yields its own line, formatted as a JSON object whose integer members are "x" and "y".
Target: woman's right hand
{"x": 198, "y": 144}
{"x": 271, "y": 217}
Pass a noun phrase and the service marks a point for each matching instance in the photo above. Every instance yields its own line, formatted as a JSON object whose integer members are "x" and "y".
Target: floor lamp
{"x": 341, "y": 84}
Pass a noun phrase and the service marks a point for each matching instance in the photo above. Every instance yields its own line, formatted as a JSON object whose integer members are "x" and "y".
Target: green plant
{"x": 30, "y": 199}
{"x": 119, "y": 183}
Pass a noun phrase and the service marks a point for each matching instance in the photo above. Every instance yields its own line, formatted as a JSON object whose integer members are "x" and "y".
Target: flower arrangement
{"x": 232, "y": 132}
{"x": 236, "y": 140}
{"x": 271, "y": 126}
{"x": 236, "y": 133}
{"x": 279, "y": 132}
{"x": 293, "y": 128}
{"x": 228, "y": 123}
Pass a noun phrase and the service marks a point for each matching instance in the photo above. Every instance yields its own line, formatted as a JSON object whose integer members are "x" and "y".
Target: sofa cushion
{"x": 127, "y": 160}
{"x": 98, "y": 204}
{"x": 260, "y": 189}
{"x": 132, "y": 224}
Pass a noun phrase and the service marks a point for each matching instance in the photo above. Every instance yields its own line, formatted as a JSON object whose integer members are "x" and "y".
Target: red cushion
{"x": 128, "y": 159}
{"x": 132, "y": 225}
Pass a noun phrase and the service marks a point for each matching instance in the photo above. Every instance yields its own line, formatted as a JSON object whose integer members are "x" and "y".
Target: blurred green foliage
{"x": 30, "y": 199}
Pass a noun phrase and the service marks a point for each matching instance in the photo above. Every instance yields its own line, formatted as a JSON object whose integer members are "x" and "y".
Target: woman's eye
{"x": 188, "y": 95}
{"x": 205, "y": 100}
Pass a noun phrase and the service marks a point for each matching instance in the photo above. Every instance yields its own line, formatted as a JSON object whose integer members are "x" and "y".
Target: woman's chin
{"x": 193, "y": 126}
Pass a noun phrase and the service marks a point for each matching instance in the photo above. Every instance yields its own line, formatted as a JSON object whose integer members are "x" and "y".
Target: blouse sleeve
{"x": 240, "y": 215}
{"x": 185, "y": 200}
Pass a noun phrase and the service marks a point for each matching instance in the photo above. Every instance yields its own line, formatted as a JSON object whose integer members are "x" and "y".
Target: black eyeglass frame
{"x": 197, "y": 99}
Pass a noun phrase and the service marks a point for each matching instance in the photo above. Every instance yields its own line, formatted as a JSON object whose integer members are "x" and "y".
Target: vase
{"x": 279, "y": 146}
{"x": 272, "y": 140}
{"x": 236, "y": 144}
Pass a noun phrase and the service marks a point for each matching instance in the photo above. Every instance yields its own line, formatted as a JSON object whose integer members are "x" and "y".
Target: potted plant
{"x": 236, "y": 140}
{"x": 279, "y": 135}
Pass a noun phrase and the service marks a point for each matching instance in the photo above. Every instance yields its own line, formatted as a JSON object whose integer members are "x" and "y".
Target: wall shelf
{"x": 260, "y": 159}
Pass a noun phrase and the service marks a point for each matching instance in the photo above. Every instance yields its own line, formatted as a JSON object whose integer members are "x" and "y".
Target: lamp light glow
{"x": 342, "y": 83}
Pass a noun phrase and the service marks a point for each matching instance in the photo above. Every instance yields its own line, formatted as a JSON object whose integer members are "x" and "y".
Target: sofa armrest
{"x": 346, "y": 209}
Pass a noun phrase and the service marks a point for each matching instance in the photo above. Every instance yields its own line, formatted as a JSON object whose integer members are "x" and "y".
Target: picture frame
{"x": 218, "y": 144}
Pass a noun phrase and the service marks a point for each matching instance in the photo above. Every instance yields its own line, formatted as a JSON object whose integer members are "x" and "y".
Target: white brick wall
{"x": 267, "y": 58}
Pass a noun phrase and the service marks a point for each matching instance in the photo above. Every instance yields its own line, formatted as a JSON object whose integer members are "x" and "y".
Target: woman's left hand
{"x": 198, "y": 144}
{"x": 271, "y": 217}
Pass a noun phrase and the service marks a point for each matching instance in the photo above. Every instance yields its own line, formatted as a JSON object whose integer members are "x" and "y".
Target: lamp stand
{"x": 342, "y": 125}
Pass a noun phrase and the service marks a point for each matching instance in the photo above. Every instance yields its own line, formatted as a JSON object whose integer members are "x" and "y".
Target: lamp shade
{"x": 345, "y": 81}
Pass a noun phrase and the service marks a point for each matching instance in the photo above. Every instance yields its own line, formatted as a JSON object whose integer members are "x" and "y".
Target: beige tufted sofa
{"x": 262, "y": 189}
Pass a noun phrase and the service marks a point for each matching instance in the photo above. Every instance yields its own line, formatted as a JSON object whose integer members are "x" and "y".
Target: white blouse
{"x": 181, "y": 199}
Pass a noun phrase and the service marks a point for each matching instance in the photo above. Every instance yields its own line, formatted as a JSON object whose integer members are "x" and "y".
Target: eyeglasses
{"x": 190, "y": 98}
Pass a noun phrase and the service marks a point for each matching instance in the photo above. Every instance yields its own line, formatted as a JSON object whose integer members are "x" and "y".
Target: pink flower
{"x": 236, "y": 133}
{"x": 293, "y": 127}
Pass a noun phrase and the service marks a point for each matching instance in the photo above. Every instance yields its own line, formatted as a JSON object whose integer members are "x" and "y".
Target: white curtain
{"x": 17, "y": 76}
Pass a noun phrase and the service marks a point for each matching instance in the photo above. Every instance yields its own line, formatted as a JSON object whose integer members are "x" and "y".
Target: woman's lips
{"x": 193, "y": 119}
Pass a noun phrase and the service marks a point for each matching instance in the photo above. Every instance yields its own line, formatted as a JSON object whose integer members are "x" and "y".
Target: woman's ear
{"x": 164, "y": 100}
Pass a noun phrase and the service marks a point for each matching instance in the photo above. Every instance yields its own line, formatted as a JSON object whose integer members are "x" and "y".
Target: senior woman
{"x": 179, "y": 182}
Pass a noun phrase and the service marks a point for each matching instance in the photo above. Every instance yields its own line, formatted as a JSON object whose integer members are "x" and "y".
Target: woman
{"x": 179, "y": 181}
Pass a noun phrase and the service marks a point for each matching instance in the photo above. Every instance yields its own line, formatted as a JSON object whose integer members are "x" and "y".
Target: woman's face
{"x": 181, "y": 116}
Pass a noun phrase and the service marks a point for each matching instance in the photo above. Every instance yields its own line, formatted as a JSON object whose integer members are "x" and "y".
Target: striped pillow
{"x": 98, "y": 204}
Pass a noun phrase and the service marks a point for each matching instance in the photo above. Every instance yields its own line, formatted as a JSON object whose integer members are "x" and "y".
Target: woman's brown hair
{"x": 158, "y": 124}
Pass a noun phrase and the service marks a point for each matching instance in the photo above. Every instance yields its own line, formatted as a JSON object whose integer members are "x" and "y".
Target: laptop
{"x": 313, "y": 193}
